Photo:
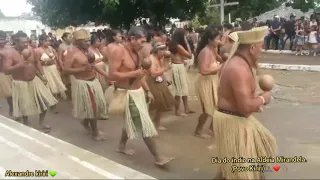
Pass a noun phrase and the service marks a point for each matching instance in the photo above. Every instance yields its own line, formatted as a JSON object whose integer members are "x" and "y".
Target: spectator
{"x": 289, "y": 28}
{"x": 275, "y": 32}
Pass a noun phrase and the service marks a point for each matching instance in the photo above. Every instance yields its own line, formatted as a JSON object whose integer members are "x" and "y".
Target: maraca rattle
{"x": 146, "y": 64}
{"x": 266, "y": 83}
{"x": 91, "y": 58}
{"x": 26, "y": 53}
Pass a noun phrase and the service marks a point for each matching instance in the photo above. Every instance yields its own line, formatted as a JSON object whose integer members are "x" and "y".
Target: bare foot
{"x": 86, "y": 126}
{"x": 163, "y": 161}
{"x": 161, "y": 128}
{"x": 189, "y": 112}
{"x": 129, "y": 152}
{"x": 203, "y": 136}
{"x": 99, "y": 138}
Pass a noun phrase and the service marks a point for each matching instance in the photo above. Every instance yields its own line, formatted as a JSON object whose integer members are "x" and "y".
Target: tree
{"x": 62, "y": 13}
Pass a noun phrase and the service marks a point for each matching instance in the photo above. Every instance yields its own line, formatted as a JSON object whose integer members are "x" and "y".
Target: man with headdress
{"x": 29, "y": 93}
{"x": 5, "y": 80}
{"x": 125, "y": 69}
{"x": 88, "y": 98}
{"x": 237, "y": 132}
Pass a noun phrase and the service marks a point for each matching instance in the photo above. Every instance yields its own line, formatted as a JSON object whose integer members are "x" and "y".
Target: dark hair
{"x": 65, "y": 35}
{"x": 150, "y": 35}
{"x": 110, "y": 34}
{"x": 94, "y": 39}
{"x": 42, "y": 37}
{"x": 177, "y": 39}
{"x": 19, "y": 35}
{"x": 3, "y": 35}
{"x": 245, "y": 26}
{"x": 228, "y": 26}
{"x": 136, "y": 32}
{"x": 210, "y": 33}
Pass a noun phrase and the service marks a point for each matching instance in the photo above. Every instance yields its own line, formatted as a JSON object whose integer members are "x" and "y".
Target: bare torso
{"x": 28, "y": 71}
{"x": 227, "y": 99}
{"x": 145, "y": 51}
{"x": 207, "y": 60}
{"x": 128, "y": 63}
{"x": 81, "y": 60}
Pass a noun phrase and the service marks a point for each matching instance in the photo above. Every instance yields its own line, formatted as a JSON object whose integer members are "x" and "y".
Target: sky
{"x": 14, "y": 7}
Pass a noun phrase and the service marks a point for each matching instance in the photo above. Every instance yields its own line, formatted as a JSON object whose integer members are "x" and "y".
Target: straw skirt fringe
{"x": 55, "y": 83}
{"x": 207, "y": 92}
{"x": 5, "y": 86}
{"x": 180, "y": 80}
{"x": 103, "y": 80}
{"x": 137, "y": 110}
{"x": 88, "y": 99}
{"x": 31, "y": 97}
{"x": 242, "y": 137}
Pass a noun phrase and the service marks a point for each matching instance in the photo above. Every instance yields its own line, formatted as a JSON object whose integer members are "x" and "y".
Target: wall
{"x": 25, "y": 25}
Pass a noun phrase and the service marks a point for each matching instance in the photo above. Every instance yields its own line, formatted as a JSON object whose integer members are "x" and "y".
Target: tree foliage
{"x": 117, "y": 13}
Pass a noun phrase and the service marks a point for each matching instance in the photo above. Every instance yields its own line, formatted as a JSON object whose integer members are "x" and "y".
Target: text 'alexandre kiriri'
{"x": 36, "y": 173}
{"x": 277, "y": 159}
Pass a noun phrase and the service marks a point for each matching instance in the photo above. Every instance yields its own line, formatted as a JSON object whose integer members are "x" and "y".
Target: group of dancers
{"x": 33, "y": 79}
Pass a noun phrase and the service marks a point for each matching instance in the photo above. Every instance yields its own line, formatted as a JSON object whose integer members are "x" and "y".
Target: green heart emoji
{"x": 53, "y": 173}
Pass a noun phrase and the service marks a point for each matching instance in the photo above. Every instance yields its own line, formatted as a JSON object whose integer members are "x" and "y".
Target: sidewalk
{"x": 26, "y": 149}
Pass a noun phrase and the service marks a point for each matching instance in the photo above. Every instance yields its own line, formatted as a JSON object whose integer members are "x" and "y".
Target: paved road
{"x": 293, "y": 117}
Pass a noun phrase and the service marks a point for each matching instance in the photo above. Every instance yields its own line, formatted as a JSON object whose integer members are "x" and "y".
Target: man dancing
{"x": 5, "y": 80}
{"x": 29, "y": 93}
{"x": 237, "y": 132}
{"x": 88, "y": 98}
{"x": 126, "y": 70}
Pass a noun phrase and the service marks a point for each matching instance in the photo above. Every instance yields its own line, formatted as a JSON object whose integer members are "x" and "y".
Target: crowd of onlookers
{"x": 303, "y": 35}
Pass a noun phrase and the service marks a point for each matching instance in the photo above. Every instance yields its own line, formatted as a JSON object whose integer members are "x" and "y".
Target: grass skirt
{"x": 55, "y": 83}
{"x": 88, "y": 99}
{"x": 5, "y": 86}
{"x": 180, "y": 80}
{"x": 31, "y": 97}
{"x": 207, "y": 92}
{"x": 137, "y": 118}
{"x": 163, "y": 99}
{"x": 103, "y": 80}
{"x": 241, "y": 137}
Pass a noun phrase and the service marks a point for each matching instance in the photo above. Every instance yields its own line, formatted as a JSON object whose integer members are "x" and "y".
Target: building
{"x": 29, "y": 25}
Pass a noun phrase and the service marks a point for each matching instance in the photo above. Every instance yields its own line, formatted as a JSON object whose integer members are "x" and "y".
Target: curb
{"x": 278, "y": 52}
{"x": 290, "y": 67}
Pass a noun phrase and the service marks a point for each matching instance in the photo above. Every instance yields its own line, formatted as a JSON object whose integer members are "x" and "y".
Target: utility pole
{"x": 222, "y": 5}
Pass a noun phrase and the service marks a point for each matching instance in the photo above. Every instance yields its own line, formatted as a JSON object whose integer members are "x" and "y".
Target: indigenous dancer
{"x": 207, "y": 81}
{"x": 33, "y": 43}
{"x": 125, "y": 70}
{"x": 88, "y": 98}
{"x": 227, "y": 46}
{"x": 146, "y": 47}
{"x": 163, "y": 99}
{"x": 94, "y": 49}
{"x": 237, "y": 132}
{"x": 5, "y": 80}
{"x": 48, "y": 58}
{"x": 30, "y": 95}
{"x": 179, "y": 47}
{"x": 62, "y": 52}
